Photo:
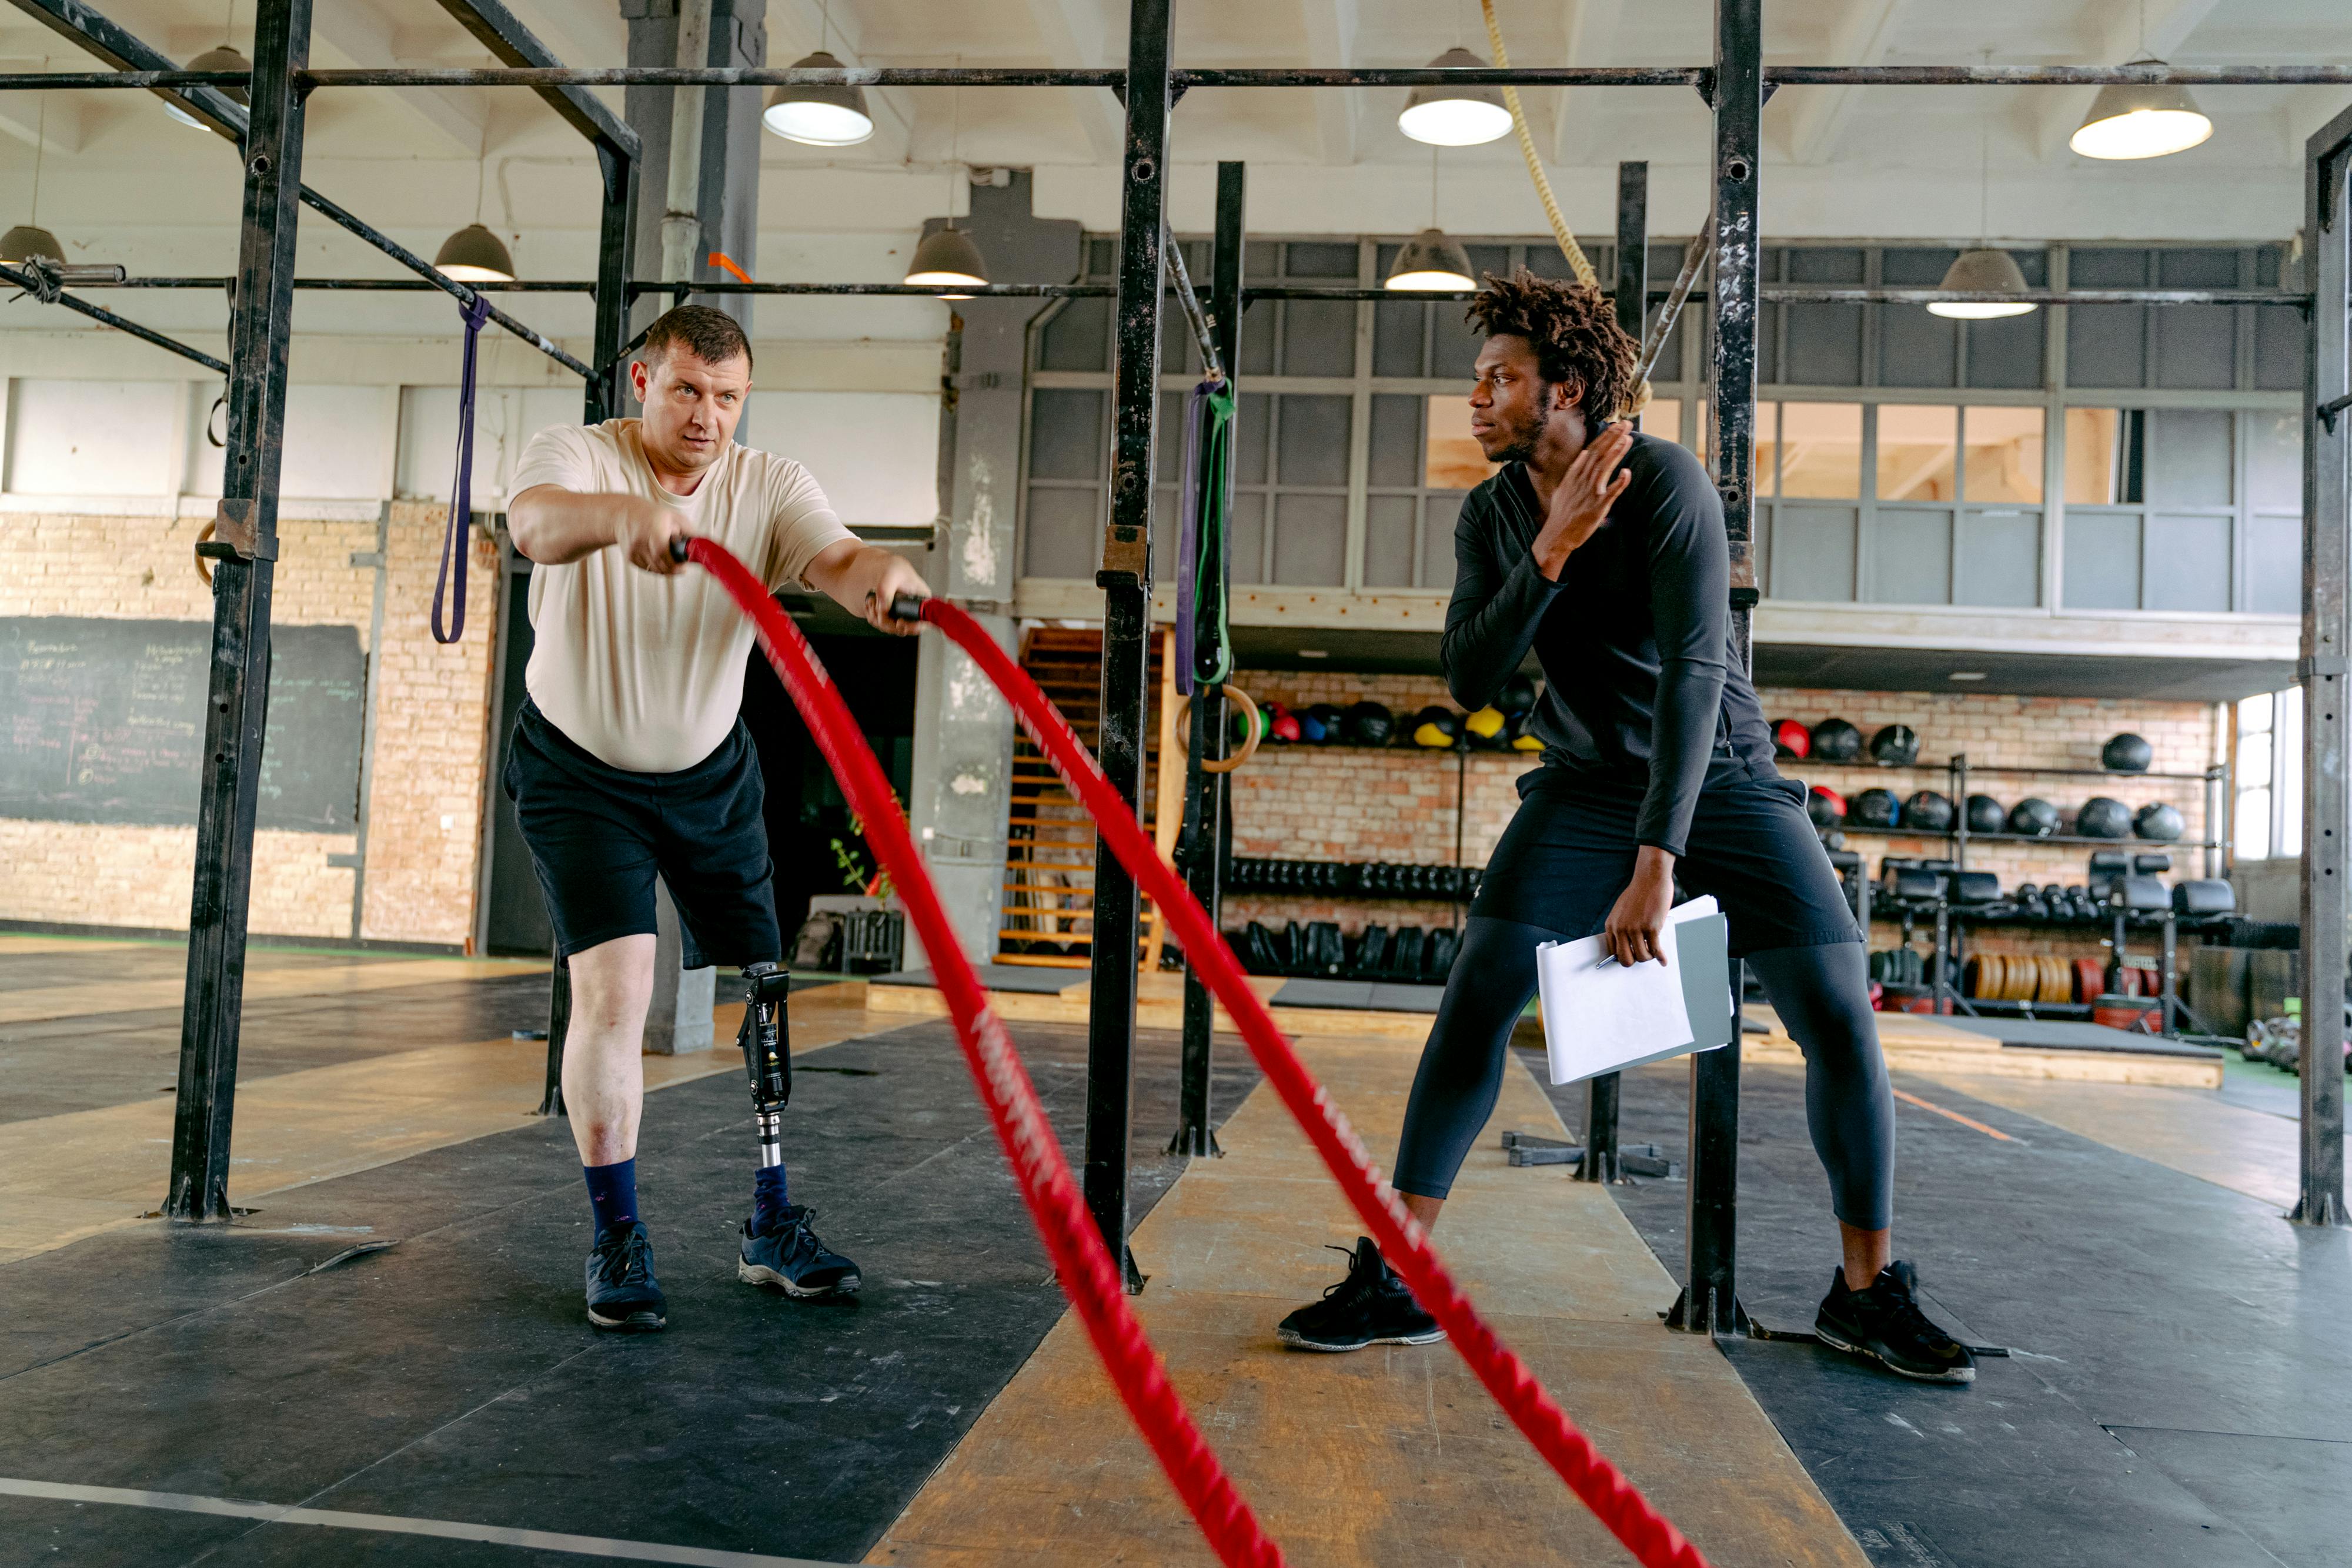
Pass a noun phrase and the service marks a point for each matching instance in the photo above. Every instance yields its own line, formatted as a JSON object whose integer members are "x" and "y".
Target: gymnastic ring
{"x": 202, "y": 569}
{"x": 1249, "y": 744}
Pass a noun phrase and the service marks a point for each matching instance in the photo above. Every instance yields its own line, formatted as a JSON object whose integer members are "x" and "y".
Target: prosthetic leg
{"x": 788, "y": 1254}
{"x": 767, "y": 1055}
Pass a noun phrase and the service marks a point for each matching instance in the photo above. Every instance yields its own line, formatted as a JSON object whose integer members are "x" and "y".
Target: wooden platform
{"x": 1390, "y": 1456}
{"x": 1917, "y": 1043}
{"x": 1160, "y": 1004}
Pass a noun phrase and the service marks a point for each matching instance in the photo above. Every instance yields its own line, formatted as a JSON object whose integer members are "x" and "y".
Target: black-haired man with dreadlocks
{"x": 1603, "y": 551}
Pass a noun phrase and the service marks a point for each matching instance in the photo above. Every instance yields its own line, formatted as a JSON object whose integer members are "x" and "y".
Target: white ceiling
{"x": 122, "y": 183}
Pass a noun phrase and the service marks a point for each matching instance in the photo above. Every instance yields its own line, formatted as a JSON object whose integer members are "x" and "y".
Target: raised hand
{"x": 1582, "y": 500}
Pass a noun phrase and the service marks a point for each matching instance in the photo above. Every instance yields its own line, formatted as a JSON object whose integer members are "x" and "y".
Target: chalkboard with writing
{"x": 103, "y": 721}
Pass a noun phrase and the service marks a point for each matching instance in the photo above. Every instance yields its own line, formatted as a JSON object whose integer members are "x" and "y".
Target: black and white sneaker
{"x": 789, "y": 1256}
{"x": 1371, "y": 1306}
{"x": 1884, "y": 1325}
{"x": 622, "y": 1294}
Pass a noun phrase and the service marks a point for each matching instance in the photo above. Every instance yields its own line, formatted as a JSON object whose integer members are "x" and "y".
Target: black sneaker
{"x": 788, "y": 1254}
{"x": 623, "y": 1293}
{"x": 1885, "y": 1323}
{"x": 1371, "y": 1306}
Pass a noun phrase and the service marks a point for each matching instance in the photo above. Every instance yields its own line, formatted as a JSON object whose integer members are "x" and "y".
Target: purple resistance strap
{"x": 454, "y": 545}
{"x": 1188, "y": 538}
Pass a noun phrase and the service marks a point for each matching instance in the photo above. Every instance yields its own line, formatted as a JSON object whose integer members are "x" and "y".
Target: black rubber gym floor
{"x": 2181, "y": 1388}
{"x": 452, "y": 1377}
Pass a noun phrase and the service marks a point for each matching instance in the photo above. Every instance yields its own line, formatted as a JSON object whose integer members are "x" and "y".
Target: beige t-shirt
{"x": 646, "y": 671}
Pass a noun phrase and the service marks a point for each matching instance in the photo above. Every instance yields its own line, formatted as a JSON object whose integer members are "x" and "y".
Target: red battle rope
{"x": 1080, "y": 1259}
{"x": 1604, "y": 1488}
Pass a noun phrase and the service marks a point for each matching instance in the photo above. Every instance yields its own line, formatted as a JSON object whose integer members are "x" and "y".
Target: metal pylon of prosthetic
{"x": 767, "y": 1055}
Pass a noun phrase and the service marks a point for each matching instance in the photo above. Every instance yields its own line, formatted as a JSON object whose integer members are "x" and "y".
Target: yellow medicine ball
{"x": 1485, "y": 724}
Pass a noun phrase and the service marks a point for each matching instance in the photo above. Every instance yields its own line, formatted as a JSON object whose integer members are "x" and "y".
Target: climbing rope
{"x": 1559, "y": 229}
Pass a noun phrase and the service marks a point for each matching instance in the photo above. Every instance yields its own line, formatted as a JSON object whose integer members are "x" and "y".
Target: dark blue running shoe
{"x": 788, "y": 1254}
{"x": 622, "y": 1294}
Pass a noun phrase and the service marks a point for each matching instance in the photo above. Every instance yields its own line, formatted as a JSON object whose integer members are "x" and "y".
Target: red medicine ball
{"x": 1791, "y": 738}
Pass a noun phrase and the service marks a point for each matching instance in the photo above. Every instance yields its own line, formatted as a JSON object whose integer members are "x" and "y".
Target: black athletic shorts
{"x": 1569, "y": 850}
{"x": 598, "y": 833}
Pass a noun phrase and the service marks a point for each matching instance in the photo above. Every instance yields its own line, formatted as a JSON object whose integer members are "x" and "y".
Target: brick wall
{"x": 1350, "y": 803}
{"x": 431, "y": 731}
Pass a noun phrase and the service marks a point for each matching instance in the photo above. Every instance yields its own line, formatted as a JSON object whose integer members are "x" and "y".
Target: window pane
{"x": 2278, "y": 348}
{"x": 1313, "y": 446}
{"x": 1066, "y": 432}
{"x": 2000, "y": 559}
{"x": 1767, "y": 451}
{"x": 1397, "y": 333}
{"x": 1911, "y": 557}
{"x": 1321, "y": 259}
{"x": 1388, "y": 540}
{"x": 1396, "y": 442}
{"x": 1454, "y": 461}
{"x": 2255, "y": 756}
{"x": 1247, "y": 557}
{"x": 1916, "y": 447}
{"x": 2253, "y": 824}
{"x": 2102, "y": 560}
{"x": 1310, "y": 540}
{"x": 1077, "y": 338}
{"x": 1821, "y": 452}
{"x": 2187, "y": 563}
{"x": 1438, "y": 516}
{"x": 2106, "y": 345}
{"x": 1916, "y": 349}
{"x": 1252, "y": 417}
{"x": 2104, "y": 447}
{"x": 2275, "y": 461}
{"x": 2289, "y": 772}
{"x": 2004, "y": 454}
{"x": 1812, "y": 553}
{"x": 2197, "y": 346}
{"x": 2275, "y": 566}
{"x": 1063, "y": 532}
{"x": 2254, "y": 714}
{"x": 1664, "y": 419}
{"x": 2188, "y": 452}
{"x": 1318, "y": 337}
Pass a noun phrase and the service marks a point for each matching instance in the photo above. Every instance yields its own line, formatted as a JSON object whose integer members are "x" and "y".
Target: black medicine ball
{"x": 2126, "y": 753}
{"x": 1826, "y": 807}
{"x": 2102, "y": 818}
{"x": 2033, "y": 816}
{"x": 1330, "y": 717}
{"x": 1518, "y": 692}
{"x": 1928, "y": 812}
{"x": 2159, "y": 821}
{"x": 1834, "y": 740}
{"x": 1371, "y": 724}
{"x": 1896, "y": 745}
{"x": 1875, "y": 809}
{"x": 1985, "y": 815}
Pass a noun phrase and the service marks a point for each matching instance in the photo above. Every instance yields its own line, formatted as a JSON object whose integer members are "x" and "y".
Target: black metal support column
{"x": 1633, "y": 292}
{"x": 1208, "y": 740}
{"x": 615, "y": 237}
{"x": 245, "y": 557}
{"x": 2326, "y": 638}
{"x": 1710, "y": 1301}
{"x": 1126, "y": 581}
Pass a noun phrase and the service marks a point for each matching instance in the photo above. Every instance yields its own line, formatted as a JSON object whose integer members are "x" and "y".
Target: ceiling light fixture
{"x": 1454, "y": 116}
{"x": 948, "y": 256}
{"x": 2141, "y": 119}
{"x": 1966, "y": 675}
{"x": 28, "y": 240}
{"x": 819, "y": 116}
{"x": 1983, "y": 269}
{"x": 475, "y": 255}
{"x": 1431, "y": 261}
{"x": 223, "y": 58}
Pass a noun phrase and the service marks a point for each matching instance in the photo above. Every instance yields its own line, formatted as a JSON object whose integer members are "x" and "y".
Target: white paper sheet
{"x": 1600, "y": 1016}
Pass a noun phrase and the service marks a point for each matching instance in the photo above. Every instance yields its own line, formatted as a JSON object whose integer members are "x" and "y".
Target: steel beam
{"x": 1710, "y": 1299}
{"x": 1211, "y": 833}
{"x": 502, "y": 33}
{"x": 260, "y": 331}
{"x": 34, "y": 285}
{"x": 615, "y": 247}
{"x": 1632, "y": 300}
{"x": 1126, "y": 581}
{"x": 2326, "y": 638}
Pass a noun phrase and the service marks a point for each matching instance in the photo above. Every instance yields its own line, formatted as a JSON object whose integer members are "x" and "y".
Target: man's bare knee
{"x": 613, "y": 984}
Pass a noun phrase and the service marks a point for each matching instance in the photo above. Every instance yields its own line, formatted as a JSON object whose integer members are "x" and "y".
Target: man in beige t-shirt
{"x": 630, "y": 758}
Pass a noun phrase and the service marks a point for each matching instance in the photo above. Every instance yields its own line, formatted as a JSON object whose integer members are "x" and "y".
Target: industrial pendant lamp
{"x": 1454, "y": 116}
{"x": 819, "y": 116}
{"x": 475, "y": 255}
{"x": 948, "y": 256}
{"x": 1431, "y": 261}
{"x": 223, "y": 57}
{"x": 1983, "y": 269}
{"x": 28, "y": 240}
{"x": 2141, "y": 119}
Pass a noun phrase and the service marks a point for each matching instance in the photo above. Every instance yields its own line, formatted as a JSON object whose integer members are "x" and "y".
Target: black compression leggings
{"x": 1821, "y": 993}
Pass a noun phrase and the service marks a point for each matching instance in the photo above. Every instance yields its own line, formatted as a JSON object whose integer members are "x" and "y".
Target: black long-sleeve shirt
{"x": 1635, "y": 639}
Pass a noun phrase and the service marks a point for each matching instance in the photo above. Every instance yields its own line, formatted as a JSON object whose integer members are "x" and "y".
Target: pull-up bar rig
{"x": 1735, "y": 86}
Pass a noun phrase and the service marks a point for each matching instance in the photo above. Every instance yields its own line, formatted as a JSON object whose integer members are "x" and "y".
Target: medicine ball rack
{"x": 1959, "y": 770}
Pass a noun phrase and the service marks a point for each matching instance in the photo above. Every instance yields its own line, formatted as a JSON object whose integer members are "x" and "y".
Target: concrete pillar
{"x": 730, "y": 198}
{"x": 963, "y": 732}
{"x": 728, "y": 203}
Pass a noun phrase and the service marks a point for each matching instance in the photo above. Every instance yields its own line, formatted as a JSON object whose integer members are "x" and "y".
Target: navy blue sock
{"x": 613, "y": 1193}
{"x": 767, "y": 1197}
